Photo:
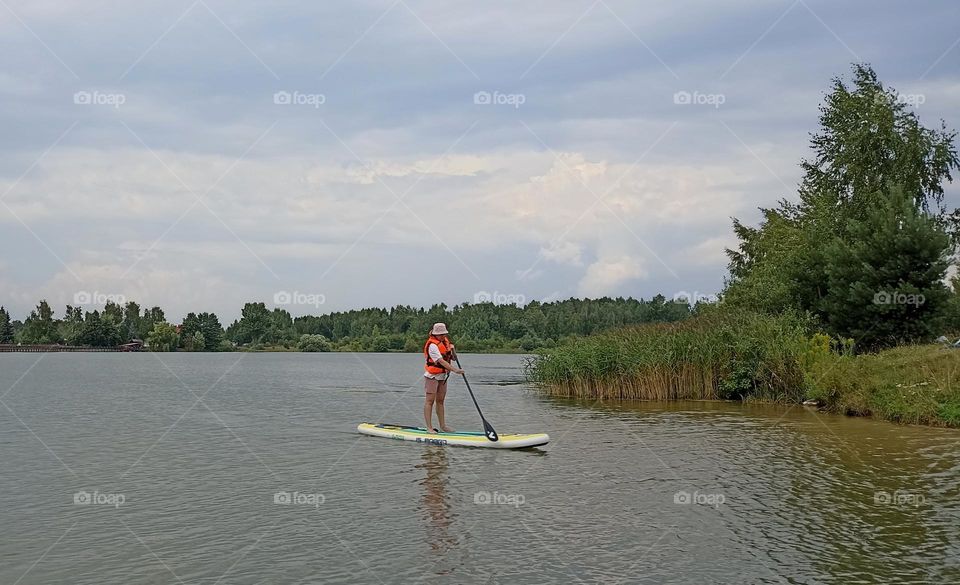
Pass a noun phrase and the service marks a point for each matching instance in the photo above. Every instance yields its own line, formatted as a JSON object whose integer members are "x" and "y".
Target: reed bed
{"x": 717, "y": 355}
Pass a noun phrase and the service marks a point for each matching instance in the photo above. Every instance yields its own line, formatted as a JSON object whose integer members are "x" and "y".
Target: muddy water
{"x": 246, "y": 468}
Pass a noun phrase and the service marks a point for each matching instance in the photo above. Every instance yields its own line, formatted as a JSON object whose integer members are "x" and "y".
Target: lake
{"x": 247, "y": 468}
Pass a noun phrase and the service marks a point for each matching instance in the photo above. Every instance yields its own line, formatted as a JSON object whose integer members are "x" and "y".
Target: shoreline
{"x": 85, "y": 349}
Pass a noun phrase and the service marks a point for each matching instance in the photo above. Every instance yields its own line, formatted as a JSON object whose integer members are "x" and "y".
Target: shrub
{"x": 313, "y": 343}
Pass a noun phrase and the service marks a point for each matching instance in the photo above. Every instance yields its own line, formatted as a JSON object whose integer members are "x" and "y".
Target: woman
{"x": 438, "y": 352}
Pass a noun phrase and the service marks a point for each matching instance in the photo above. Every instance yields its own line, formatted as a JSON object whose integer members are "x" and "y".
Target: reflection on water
{"x": 435, "y": 502}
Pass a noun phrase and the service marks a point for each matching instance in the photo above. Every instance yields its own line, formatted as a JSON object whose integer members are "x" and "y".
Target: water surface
{"x": 183, "y": 458}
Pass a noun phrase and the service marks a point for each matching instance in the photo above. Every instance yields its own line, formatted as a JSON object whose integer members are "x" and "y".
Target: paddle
{"x": 487, "y": 427}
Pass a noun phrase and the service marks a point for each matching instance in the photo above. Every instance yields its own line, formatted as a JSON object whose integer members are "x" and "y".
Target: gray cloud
{"x": 495, "y": 197}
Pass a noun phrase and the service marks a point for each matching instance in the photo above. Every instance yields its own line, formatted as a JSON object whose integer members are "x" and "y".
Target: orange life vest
{"x": 431, "y": 366}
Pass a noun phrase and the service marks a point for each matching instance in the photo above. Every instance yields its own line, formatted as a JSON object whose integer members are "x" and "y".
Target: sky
{"x": 318, "y": 157}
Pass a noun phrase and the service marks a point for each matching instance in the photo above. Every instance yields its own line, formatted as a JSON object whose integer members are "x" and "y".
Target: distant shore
{"x": 54, "y": 348}
{"x": 57, "y": 348}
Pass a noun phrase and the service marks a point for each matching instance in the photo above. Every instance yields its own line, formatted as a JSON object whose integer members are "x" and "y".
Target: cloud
{"x": 710, "y": 252}
{"x": 598, "y": 183}
{"x": 607, "y": 275}
{"x": 564, "y": 253}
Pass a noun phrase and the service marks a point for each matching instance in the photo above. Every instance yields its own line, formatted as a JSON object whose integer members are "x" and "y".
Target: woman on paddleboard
{"x": 438, "y": 352}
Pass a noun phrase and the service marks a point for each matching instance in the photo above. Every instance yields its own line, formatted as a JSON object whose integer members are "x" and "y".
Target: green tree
{"x": 100, "y": 330}
{"x": 71, "y": 326}
{"x": 197, "y": 342}
{"x": 132, "y": 321}
{"x": 867, "y": 141}
{"x": 190, "y": 325}
{"x": 885, "y": 281}
{"x": 212, "y": 331}
{"x": 6, "y": 328}
{"x": 281, "y": 330}
{"x": 205, "y": 324}
{"x": 163, "y": 337}
{"x": 253, "y": 326}
{"x": 149, "y": 319}
{"x": 114, "y": 311}
{"x": 40, "y": 326}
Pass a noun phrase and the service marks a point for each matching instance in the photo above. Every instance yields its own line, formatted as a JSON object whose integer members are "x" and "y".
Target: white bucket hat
{"x": 439, "y": 329}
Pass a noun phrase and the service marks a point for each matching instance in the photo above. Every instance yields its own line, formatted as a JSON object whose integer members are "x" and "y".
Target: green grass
{"x": 918, "y": 384}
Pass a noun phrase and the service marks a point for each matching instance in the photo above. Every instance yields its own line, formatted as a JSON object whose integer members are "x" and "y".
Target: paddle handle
{"x": 487, "y": 427}
{"x": 456, "y": 358}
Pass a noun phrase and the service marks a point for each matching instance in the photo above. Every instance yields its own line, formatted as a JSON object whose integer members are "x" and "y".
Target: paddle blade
{"x": 488, "y": 430}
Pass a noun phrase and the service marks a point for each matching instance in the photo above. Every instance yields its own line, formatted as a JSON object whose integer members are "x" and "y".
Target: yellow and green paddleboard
{"x": 459, "y": 439}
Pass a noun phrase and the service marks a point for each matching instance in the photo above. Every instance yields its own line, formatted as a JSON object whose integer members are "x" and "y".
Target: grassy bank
{"x": 917, "y": 384}
{"x": 755, "y": 357}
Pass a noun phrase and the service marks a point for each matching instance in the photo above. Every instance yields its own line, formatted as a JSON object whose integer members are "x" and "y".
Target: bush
{"x": 313, "y": 343}
{"x": 163, "y": 337}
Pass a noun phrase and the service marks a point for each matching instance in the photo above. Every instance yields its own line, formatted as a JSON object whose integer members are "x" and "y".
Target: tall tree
{"x": 101, "y": 330}
{"x": 132, "y": 321}
{"x": 71, "y": 326}
{"x": 206, "y": 324}
{"x": 150, "y": 318}
{"x": 869, "y": 146}
{"x": 114, "y": 311}
{"x": 254, "y": 324}
{"x": 869, "y": 139}
{"x": 6, "y": 328}
{"x": 212, "y": 331}
{"x": 40, "y": 327}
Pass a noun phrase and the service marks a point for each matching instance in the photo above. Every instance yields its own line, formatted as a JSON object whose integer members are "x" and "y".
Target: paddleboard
{"x": 460, "y": 439}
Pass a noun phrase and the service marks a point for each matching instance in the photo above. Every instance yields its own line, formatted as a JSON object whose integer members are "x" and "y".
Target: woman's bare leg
{"x": 428, "y": 412}
{"x": 441, "y": 395}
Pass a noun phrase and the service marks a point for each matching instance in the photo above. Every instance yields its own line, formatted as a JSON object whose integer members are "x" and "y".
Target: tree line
{"x": 475, "y": 327}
